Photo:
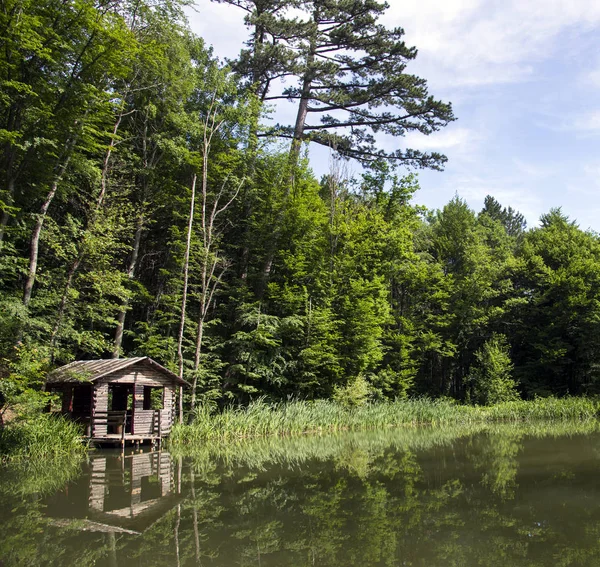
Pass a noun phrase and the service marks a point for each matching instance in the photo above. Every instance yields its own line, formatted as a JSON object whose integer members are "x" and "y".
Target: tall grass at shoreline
{"x": 43, "y": 437}
{"x": 260, "y": 419}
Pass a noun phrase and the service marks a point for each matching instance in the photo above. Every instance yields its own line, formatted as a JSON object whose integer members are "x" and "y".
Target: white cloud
{"x": 591, "y": 78}
{"x": 219, "y": 25}
{"x": 449, "y": 138}
{"x": 534, "y": 171}
{"x": 588, "y": 122}
{"x": 480, "y": 42}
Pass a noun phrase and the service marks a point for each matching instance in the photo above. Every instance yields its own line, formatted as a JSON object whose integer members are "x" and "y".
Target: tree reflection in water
{"x": 485, "y": 496}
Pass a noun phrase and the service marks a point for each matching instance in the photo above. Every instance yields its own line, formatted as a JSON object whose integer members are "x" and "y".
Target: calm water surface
{"x": 506, "y": 496}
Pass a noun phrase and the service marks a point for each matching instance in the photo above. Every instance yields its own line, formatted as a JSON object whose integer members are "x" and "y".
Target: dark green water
{"x": 505, "y": 496}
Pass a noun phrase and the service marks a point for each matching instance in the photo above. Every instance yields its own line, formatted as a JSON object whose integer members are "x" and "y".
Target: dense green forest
{"x": 150, "y": 207}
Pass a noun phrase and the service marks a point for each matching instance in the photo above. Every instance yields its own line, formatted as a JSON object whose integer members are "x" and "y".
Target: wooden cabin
{"x": 119, "y": 400}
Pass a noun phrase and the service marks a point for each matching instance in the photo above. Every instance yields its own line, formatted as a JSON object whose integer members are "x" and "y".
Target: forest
{"x": 151, "y": 206}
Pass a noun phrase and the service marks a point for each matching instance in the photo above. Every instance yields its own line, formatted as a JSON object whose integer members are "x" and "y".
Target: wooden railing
{"x": 116, "y": 420}
{"x": 149, "y": 422}
{"x": 145, "y": 422}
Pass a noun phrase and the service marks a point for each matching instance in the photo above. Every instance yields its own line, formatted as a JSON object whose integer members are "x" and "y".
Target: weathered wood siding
{"x": 169, "y": 398}
{"x": 142, "y": 374}
{"x": 145, "y": 422}
{"x": 100, "y": 403}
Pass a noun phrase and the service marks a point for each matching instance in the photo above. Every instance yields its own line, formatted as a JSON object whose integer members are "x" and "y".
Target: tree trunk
{"x": 63, "y": 302}
{"x": 199, "y": 339}
{"x": 304, "y": 98}
{"x": 10, "y": 191}
{"x": 210, "y": 261}
{"x": 186, "y": 270}
{"x": 37, "y": 229}
{"x": 300, "y": 121}
{"x": 130, "y": 274}
{"x": 294, "y": 156}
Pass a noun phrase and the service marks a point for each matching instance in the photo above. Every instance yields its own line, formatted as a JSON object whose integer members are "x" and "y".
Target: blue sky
{"x": 524, "y": 80}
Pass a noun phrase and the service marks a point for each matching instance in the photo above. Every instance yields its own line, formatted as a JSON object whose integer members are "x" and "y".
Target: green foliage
{"x": 41, "y": 437}
{"x": 490, "y": 378}
{"x": 297, "y": 289}
{"x": 259, "y": 418}
{"x": 354, "y": 394}
{"x": 30, "y": 434}
{"x": 21, "y": 391}
{"x": 554, "y": 309}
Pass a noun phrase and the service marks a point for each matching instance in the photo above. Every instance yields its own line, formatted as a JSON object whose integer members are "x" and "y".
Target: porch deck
{"x": 122, "y": 428}
{"x": 128, "y": 438}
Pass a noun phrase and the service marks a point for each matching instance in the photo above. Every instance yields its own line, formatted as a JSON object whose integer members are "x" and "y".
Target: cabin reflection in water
{"x": 126, "y": 493}
{"x": 139, "y": 490}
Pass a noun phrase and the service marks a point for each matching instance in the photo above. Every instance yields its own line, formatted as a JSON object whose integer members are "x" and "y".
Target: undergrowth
{"x": 42, "y": 437}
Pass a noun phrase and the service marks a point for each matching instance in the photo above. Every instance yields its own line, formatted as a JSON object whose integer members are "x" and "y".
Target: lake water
{"x": 504, "y": 496}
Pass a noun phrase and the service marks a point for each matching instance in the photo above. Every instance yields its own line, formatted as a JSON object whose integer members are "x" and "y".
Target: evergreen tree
{"x": 347, "y": 70}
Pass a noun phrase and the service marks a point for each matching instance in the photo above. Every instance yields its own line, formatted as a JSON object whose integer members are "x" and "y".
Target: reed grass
{"x": 261, "y": 419}
{"x": 41, "y": 438}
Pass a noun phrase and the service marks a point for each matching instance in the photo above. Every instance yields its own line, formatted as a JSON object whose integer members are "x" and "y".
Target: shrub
{"x": 354, "y": 394}
{"x": 490, "y": 379}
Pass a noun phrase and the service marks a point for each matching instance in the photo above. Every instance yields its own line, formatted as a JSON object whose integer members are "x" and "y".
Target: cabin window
{"x": 120, "y": 397}
{"x": 81, "y": 404}
{"x": 153, "y": 398}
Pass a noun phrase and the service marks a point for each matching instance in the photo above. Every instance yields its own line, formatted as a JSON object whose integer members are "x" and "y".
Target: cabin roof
{"x": 92, "y": 370}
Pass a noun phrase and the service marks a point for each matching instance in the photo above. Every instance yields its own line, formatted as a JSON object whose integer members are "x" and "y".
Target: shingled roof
{"x": 92, "y": 370}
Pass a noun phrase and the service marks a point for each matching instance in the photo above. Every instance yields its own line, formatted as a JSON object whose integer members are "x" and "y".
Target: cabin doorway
{"x": 81, "y": 402}
{"x": 120, "y": 402}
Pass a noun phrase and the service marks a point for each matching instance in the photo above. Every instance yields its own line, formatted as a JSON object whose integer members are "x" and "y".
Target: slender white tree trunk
{"x": 37, "y": 230}
{"x": 130, "y": 274}
{"x": 186, "y": 271}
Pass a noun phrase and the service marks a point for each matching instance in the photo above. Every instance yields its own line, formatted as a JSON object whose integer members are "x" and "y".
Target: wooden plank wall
{"x": 100, "y": 403}
{"x": 146, "y": 375}
{"x": 169, "y": 398}
{"x": 145, "y": 422}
